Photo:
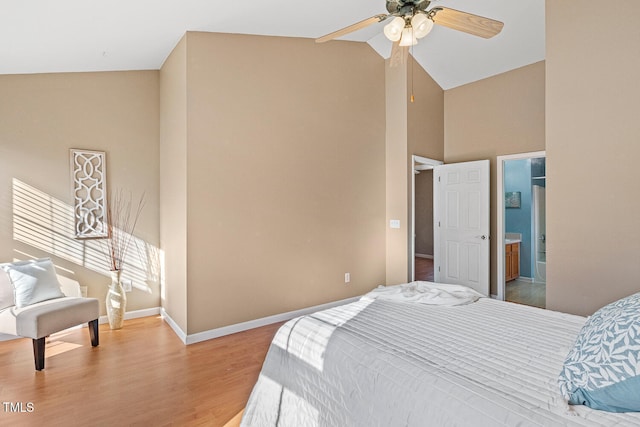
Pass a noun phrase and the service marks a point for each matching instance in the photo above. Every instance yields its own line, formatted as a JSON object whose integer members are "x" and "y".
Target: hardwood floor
{"x": 141, "y": 375}
{"x": 424, "y": 269}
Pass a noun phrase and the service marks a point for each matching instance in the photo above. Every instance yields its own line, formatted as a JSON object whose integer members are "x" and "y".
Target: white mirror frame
{"x": 89, "y": 177}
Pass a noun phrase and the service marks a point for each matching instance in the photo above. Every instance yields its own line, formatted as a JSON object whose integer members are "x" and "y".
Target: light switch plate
{"x": 394, "y": 223}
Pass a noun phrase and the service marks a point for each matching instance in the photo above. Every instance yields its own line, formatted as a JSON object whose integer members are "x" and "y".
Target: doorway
{"x": 521, "y": 224}
{"x": 421, "y": 232}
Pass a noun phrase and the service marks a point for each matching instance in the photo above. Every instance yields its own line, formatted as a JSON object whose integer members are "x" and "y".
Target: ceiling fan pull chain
{"x": 412, "y": 61}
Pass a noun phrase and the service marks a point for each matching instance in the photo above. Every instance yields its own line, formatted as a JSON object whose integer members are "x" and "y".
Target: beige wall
{"x": 500, "y": 115}
{"x": 285, "y": 175}
{"x": 173, "y": 182}
{"x": 41, "y": 117}
{"x": 425, "y": 115}
{"x": 396, "y": 172}
{"x": 593, "y": 246}
{"x": 412, "y": 128}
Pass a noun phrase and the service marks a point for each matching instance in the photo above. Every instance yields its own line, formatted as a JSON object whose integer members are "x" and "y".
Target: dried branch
{"x": 121, "y": 223}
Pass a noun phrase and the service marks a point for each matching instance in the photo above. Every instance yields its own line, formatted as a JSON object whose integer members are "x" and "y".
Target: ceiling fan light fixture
{"x": 393, "y": 30}
{"x": 408, "y": 37}
{"x": 421, "y": 24}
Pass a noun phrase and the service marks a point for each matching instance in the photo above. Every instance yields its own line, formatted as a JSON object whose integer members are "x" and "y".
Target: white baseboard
{"x": 179, "y": 332}
{"x": 7, "y": 337}
{"x": 251, "y": 324}
{"x": 133, "y": 314}
{"x": 525, "y": 279}
{"x": 424, "y": 256}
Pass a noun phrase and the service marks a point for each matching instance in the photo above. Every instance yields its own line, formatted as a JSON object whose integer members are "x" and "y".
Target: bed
{"x": 388, "y": 362}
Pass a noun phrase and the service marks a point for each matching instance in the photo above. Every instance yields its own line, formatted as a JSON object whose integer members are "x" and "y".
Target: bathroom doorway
{"x": 521, "y": 241}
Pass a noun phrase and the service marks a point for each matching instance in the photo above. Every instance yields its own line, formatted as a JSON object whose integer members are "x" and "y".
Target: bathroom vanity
{"x": 512, "y": 259}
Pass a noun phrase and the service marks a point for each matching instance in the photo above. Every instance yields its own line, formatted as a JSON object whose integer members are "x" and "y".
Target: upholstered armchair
{"x": 35, "y": 303}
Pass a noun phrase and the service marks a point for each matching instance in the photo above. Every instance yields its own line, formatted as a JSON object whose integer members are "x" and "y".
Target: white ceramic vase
{"x": 116, "y": 301}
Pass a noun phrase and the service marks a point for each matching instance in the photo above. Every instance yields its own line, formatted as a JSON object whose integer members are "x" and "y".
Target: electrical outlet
{"x": 127, "y": 285}
{"x": 347, "y": 277}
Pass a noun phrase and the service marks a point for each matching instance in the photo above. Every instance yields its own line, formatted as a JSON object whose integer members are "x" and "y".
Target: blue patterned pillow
{"x": 602, "y": 370}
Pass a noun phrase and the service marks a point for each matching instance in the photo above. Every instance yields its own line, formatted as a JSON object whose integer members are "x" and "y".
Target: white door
{"x": 461, "y": 224}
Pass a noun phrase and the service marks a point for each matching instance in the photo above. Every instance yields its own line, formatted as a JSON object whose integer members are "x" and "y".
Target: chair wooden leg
{"x": 93, "y": 333}
{"x": 38, "y": 353}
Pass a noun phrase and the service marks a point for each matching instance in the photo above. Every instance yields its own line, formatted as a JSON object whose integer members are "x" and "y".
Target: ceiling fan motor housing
{"x": 404, "y": 7}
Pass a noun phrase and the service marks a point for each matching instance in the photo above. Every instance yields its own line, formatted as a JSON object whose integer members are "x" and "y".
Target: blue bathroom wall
{"x": 517, "y": 177}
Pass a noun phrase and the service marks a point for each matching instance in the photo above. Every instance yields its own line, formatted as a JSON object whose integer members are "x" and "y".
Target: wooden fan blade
{"x": 466, "y": 22}
{"x": 351, "y": 28}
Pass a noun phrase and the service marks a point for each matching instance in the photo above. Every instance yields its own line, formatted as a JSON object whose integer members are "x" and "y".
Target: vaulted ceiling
{"x": 43, "y": 36}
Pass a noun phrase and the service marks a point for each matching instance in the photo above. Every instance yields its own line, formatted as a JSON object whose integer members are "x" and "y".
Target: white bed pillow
{"x": 6, "y": 291}
{"x": 33, "y": 281}
{"x": 602, "y": 370}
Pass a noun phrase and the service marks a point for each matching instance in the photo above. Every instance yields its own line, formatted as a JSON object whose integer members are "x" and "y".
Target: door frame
{"x": 425, "y": 163}
{"x": 500, "y": 214}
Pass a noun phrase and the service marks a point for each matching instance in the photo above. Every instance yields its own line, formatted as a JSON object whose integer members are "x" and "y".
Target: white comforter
{"x": 426, "y": 293}
{"x": 380, "y": 362}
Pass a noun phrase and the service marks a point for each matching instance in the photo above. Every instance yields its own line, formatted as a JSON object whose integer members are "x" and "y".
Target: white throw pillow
{"x": 6, "y": 291}
{"x": 33, "y": 281}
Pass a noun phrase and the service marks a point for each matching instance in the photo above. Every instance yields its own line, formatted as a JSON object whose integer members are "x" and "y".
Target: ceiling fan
{"x": 412, "y": 21}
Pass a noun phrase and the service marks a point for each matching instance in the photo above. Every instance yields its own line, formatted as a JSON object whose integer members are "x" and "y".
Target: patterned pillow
{"x": 602, "y": 370}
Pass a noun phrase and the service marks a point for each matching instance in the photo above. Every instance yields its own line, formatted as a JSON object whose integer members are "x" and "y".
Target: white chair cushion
{"x": 48, "y": 317}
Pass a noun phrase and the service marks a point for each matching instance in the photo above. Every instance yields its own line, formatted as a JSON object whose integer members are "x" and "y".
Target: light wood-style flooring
{"x": 424, "y": 269}
{"x": 141, "y": 375}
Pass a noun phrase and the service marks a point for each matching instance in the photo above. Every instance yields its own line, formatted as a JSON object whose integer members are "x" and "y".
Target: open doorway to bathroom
{"x": 522, "y": 219}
